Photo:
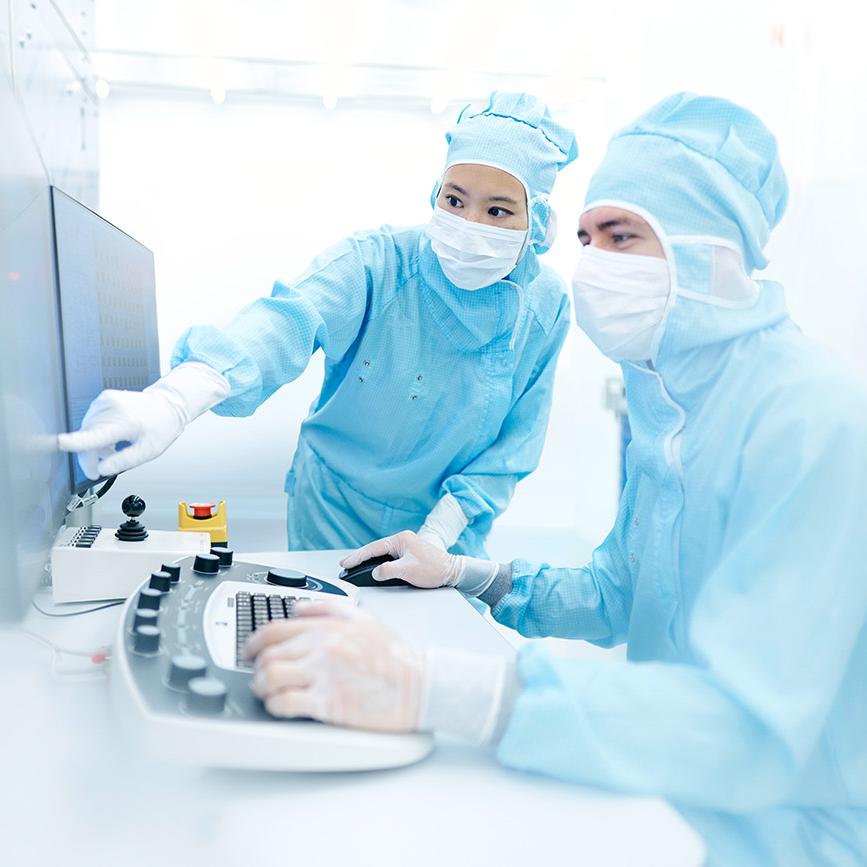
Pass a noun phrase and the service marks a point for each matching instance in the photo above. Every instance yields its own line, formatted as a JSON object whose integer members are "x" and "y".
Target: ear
{"x": 436, "y": 191}
{"x": 543, "y": 224}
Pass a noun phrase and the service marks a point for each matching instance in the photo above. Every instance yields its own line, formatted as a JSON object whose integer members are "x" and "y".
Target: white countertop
{"x": 74, "y": 791}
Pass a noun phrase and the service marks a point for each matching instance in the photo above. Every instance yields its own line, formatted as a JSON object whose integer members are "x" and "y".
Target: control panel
{"x": 181, "y": 679}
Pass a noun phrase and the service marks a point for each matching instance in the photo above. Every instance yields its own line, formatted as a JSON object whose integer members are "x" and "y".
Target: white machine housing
{"x": 108, "y": 568}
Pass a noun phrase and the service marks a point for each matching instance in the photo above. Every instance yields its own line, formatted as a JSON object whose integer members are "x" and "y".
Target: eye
{"x": 453, "y": 201}
{"x": 621, "y": 239}
{"x": 500, "y": 212}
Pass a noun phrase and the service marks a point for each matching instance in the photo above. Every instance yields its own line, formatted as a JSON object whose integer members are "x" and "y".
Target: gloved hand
{"x": 339, "y": 665}
{"x": 424, "y": 565}
{"x": 150, "y": 420}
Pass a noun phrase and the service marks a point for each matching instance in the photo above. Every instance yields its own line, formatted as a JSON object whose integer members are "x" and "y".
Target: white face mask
{"x": 473, "y": 255}
{"x": 620, "y": 301}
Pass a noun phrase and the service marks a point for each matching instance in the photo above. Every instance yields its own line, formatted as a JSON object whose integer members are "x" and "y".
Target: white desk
{"x": 73, "y": 790}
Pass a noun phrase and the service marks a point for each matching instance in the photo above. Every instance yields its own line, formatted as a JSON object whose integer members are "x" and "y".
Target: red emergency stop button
{"x": 202, "y": 510}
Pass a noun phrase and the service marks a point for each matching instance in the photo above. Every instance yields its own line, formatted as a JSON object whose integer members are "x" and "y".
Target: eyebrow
{"x": 463, "y": 192}
{"x": 610, "y": 224}
{"x": 617, "y": 221}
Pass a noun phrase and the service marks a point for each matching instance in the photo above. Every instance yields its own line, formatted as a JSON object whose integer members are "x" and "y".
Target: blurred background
{"x": 237, "y": 140}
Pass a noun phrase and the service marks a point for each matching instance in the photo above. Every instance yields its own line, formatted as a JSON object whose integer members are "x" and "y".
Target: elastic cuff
{"x": 499, "y": 587}
{"x": 463, "y": 694}
{"x": 476, "y": 575}
{"x": 195, "y": 386}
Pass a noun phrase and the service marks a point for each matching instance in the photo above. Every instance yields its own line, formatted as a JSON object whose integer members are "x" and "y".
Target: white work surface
{"x": 73, "y": 789}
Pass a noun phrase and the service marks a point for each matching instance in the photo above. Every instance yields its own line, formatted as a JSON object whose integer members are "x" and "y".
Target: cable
{"x": 76, "y": 613}
{"x": 89, "y": 498}
{"x": 105, "y": 488}
{"x": 98, "y": 657}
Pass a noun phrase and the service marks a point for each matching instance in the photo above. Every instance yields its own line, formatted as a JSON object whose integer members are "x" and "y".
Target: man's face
{"x": 618, "y": 230}
{"x": 483, "y": 194}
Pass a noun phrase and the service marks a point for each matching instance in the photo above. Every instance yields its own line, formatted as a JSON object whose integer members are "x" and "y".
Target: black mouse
{"x": 360, "y": 575}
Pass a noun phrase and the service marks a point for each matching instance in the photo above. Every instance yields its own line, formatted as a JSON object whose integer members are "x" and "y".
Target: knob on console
{"x": 161, "y": 581}
{"x": 144, "y": 616}
{"x": 225, "y": 554}
{"x": 206, "y": 695}
{"x": 174, "y": 572}
{"x": 149, "y": 598}
{"x": 206, "y": 564}
{"x": 147, "y": 639}
{"x": 287, "y": 578}
{"x": 184, "y": 668}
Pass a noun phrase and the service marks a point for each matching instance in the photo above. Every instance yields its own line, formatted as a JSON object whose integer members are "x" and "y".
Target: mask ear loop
{"x": 662, "y": 237}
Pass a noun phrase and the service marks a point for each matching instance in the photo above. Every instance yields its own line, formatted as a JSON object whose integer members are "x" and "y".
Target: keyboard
{"x": 182, "y": 687}
{"x": 253, "y": 611}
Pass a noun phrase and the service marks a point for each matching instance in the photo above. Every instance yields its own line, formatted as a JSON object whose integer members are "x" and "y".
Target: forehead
{"x": 606, "y": 217}
{"x": 484, "y": 179}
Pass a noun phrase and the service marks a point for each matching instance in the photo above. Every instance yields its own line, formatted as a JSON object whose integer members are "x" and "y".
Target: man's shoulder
{"x": 809, "y": 390}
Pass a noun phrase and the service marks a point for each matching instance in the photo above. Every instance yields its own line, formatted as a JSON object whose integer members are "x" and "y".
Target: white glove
{"x": 337, "y": 664}
{"x": 150, "y": 420}
{"x": 424, "y": 565}
{"x": 444, "y": 524}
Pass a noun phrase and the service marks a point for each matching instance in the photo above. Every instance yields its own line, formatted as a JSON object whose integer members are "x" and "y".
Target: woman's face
{"x": 483, "y": 194}
{"x": 618, "y": 230}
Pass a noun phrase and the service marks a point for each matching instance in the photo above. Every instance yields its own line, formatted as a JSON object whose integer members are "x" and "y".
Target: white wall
{"x": 232, "y": 197}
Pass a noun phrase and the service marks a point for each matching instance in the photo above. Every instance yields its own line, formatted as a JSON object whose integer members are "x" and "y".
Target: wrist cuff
{"x": 194, "y": 388}
{"x": 463, "y": 694}
{"x": 475, "y": 576}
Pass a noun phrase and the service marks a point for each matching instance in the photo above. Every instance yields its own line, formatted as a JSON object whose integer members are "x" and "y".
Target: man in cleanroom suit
{"x": 735, "y": 572}
{"x": 440, "y": 345}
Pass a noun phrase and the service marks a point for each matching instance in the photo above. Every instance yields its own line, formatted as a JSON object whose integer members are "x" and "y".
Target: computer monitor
{"x": 107, "y": 309}
{"x": 35, "y": 483}
{"x": 77, "y": 315}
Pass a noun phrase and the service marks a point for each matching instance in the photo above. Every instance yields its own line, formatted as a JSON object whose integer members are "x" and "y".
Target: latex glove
{"x": 444, "y": 524}
{"x": 424, "y": 565}
{"x": 150, "y": 420}
{"x": 337, "y": 664}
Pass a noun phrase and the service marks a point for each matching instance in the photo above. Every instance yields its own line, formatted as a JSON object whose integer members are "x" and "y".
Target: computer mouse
{"x": 360, "y": 575}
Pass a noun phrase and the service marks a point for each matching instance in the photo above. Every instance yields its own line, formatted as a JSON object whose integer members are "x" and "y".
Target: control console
{"x": 181, "y": 681}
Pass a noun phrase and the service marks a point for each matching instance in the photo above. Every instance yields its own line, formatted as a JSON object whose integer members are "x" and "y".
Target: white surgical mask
{"x": 473, "y": 255}
{"x": 620, "y": 301}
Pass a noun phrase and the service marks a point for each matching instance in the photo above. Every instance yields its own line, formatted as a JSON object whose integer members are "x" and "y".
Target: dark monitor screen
{"x": 108, "y": 310}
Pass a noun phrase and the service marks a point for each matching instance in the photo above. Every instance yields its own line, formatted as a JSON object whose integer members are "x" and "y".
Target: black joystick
{"x": 132, "y": 530}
